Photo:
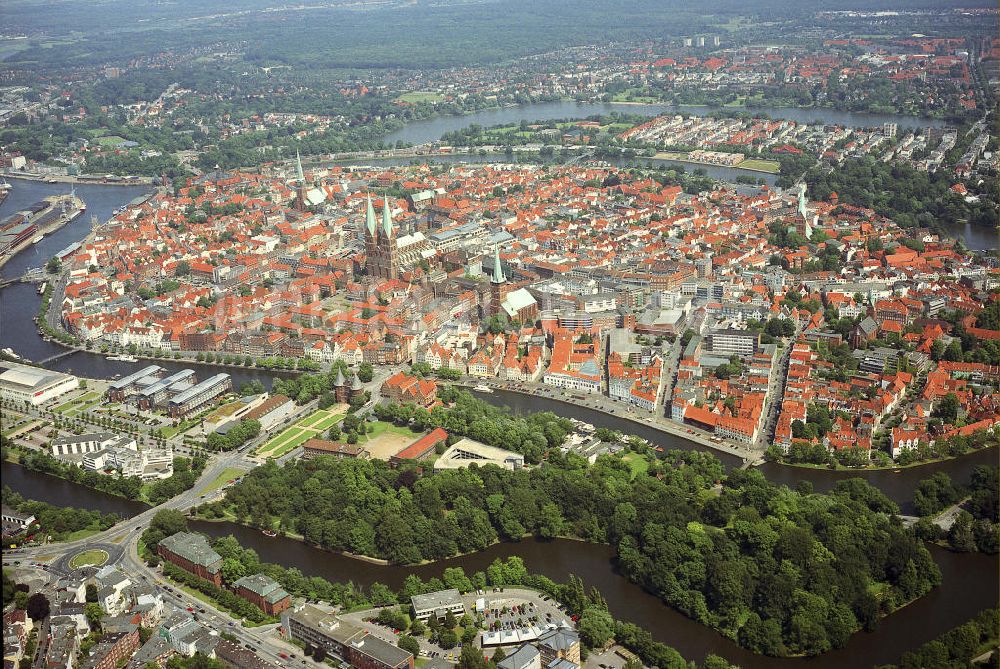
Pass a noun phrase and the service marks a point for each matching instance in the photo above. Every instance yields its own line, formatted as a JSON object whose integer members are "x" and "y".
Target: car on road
{"x": 283, "y": 656}
{"x": 190, "y": 609}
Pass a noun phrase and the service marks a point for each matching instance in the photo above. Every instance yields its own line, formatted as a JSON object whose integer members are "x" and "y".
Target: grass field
{"x": 95, "y": 557}
{"x": 769, "y": 166}
{"x": 80, "y": 404}
{"x": 109, "y": 140}
{"x": 420, "y": 96}
{"x": 313, "y": 425}
{"x": 223, "y": 478}
{"x": 637, "y": 463}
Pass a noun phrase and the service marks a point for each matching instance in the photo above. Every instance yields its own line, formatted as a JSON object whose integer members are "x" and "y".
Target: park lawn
{"x": 275, "y": 442}
{"x": 420, "y": 96}
{"x": 313, "y": 425}
{"x": 80, "y": 534}
{"x": 637, "y": 463}
{"x": 302, "y": 438}
{"x": 109, "y": 140}
{"x": 328, "y": 422}
{"x": 381, "y": 427}
{"x": 95, "y": 557}
{"x": 223, "y": 478}
{"x": 314, "y": 419}
{"x": 769, "y": 166}
{"x": 86, "y": 397}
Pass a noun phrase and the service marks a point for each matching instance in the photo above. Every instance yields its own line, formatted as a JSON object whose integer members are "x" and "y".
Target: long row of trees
{"x": 780, "y": 571}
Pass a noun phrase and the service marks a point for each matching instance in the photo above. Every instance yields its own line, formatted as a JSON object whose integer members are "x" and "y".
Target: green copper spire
{"x": 370, "y": 217}
{"x": 386, "y": 217}
{"x": 299, "y": 175}
{"x": 498, "y": 276}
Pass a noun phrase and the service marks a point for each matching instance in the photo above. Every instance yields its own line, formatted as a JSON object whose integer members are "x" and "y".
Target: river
{"x": 897, "y": 485}
{"x": 969, "y": 582}
{"x": 430, "y": 130}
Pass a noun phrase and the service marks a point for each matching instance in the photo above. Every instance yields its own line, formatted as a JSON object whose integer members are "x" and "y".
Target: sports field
{"x": 314, "y": 425}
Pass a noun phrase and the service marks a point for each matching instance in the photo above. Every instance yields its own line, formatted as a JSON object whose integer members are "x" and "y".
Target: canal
{"x": 969, "y": 582}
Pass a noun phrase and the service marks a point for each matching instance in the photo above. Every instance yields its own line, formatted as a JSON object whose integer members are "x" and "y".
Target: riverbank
{"x": 661, "y": 425}
{"x": 895, "y": 467}
{"x": 47, "y": 228}
{"x": 80, "y": 180}
{"x": 672, "y": 157}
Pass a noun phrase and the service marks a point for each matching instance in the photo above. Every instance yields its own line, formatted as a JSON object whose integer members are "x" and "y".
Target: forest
{"x": 780, "y": 571}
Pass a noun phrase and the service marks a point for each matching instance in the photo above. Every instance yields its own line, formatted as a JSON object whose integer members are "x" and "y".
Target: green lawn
{"x": 381, "y": 427}
{"x": 94, "y": 557}
{"x": 81, "y": 534}
{"x": 769, "y": 166}
{"x": 110, "y": 140}
{"x": 223, "y": 478}
{"x": 313, "y": 425}
{"x": 76, "y": 405}
{"x": 638, "y": 464}
{"x": 420, "y": 96}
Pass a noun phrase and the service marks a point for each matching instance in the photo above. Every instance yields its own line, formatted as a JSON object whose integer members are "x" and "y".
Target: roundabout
{"x": 95, "y": 555}
{"x": 88, "y": 558}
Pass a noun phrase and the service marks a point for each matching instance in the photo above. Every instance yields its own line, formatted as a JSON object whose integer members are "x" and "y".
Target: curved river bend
{"x": 969, "y": 582}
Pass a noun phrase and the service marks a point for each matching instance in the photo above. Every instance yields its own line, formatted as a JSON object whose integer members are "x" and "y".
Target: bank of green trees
{"x": 782, "y": 572}
{"x": 530, "y": 435}
{"x": 956, "y": 648}
{"x": 58, "y": 522}
{"x": 909, "y": 196}
{"x": 976, "y": 525}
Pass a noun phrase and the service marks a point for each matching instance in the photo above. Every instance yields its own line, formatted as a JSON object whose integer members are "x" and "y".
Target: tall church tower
{"x": 300, "y": 178}
{"x": 497, "y": 282}
{"x": 380, "y": 243}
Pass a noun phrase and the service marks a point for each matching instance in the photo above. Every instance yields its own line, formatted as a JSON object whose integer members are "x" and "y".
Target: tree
{"x": 93, "y": 613}
{"x": 960, "y": 536}
{"x": 471, "y": 658}
{"x": 232, "y": 570}
{"x": 91, "y": 592}
{"x": 947, "y": 408}
{"x": 38, "y": 607}
{"x": 365, "y": 372}
{"x": 447, "y": 639}
{"x": 596, "y": 627}
{"x": 53, "y": 266}
{"x": 409, "y": 644}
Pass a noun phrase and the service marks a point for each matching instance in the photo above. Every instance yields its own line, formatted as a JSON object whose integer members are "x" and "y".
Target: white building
{"x": 466, "y": 451}
{"x": 35, "y": 386}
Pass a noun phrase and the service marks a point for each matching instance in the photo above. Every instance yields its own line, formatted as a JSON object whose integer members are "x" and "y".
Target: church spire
{"x": 299, "y": 174}
{"x": 386, "y": 217}
{"x": 498, "y": 276}
{"x": 370, "y": 217}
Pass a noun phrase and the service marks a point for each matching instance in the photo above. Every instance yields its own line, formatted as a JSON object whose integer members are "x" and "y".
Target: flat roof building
{"x": 466, "y": 452}
{"x": 437, "y": 604}
{"x": 35, "y": 386}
